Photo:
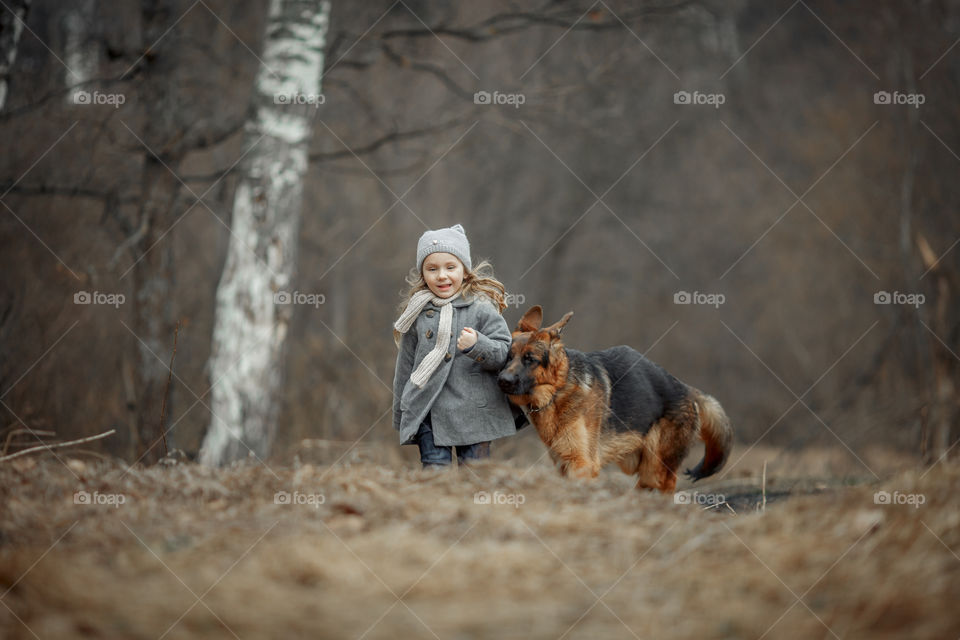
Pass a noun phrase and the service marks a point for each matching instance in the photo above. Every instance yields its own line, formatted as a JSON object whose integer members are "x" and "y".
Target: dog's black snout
{"x": 507, "y": 381}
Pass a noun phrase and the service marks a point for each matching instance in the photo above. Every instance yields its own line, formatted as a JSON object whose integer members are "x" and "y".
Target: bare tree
{"x": 250, "y": 325}
{"x": 153, "y": 271}
{"x": 171, "y": 130}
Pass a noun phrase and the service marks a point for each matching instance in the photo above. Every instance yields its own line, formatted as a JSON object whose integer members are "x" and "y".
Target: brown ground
{"x": 394, "y": 552}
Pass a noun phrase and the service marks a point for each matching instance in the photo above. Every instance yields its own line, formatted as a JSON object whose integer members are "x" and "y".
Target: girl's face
{"x": 443, "y": 273}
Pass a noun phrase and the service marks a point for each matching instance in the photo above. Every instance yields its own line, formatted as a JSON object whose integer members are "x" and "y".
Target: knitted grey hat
{"x": 450, "y": 240}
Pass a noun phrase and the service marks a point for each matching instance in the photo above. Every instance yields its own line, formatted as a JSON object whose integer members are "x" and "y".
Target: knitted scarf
{"x": 432, "y": 360}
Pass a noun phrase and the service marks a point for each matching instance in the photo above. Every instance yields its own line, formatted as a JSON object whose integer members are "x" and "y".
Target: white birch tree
{"x": 81, "y": 54}
{"x": 246, "y": 360}
{"x": 11, "y": 26}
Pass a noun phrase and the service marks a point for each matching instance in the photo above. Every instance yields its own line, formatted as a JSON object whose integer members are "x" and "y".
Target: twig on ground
{"x": 36, "y": 432}
{"x": 57, "y": 444}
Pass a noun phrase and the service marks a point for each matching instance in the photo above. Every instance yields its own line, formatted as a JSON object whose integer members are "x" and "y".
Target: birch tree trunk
{"x": 246, "y": 361}
{"x": 11, "y": 26}
{"x": 81, "y": 54}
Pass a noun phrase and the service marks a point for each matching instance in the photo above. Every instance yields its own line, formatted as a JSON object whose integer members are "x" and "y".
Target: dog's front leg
{"x": 584, "y": 470}
{"x": 571, "y": 450}
{"x": 557, "y": 461}
{"x": 574, "y": 465}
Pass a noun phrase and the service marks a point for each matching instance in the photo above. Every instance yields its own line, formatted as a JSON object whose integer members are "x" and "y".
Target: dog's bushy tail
{"x": 716, "y": 433}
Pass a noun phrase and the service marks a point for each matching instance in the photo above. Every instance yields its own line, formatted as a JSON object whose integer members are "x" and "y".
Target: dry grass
{"x": 395, "y": 552}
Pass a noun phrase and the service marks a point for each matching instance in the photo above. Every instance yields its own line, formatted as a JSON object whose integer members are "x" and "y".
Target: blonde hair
{"x": 478, "y": 282}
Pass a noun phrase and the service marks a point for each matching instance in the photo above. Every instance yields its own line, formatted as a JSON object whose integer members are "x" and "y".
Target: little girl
{"x": 453, "y": 342}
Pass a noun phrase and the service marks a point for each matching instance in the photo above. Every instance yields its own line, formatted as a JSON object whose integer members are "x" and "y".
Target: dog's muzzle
{"x": 511, "y": 383}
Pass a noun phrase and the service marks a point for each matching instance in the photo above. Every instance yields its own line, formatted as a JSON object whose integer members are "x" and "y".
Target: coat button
{"x": 480, "y": 359}
{"x": 429, "y": 313}
{"x": 447, "y": 357}
{"x": 429, "y": 333}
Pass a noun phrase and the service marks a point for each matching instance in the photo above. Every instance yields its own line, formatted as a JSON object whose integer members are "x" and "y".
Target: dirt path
{"x": 363, "y": 550}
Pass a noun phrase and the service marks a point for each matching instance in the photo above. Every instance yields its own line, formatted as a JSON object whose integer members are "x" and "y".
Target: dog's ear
{"x": 531, "y": 319}
{"x": 555, "y": 329}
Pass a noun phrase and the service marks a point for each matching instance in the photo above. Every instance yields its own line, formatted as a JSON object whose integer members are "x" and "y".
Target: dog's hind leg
{"x": 629, "y": 463}
{"x": 655, "y": 474}
{"x": 661, "y": 454}
{"x": 649, "y": 460}
{"x": 676, "y": 433}
{"x": 650, "y": 474}
{"x": 643, "y": 485}
{"x": 667, "y": 479}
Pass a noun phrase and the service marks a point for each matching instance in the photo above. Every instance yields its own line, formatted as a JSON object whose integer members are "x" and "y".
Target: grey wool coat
{"x": 465, "y": 404}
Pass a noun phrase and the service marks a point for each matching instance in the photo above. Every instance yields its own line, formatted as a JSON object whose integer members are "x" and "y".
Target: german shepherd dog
{"x": 614, "y": 405}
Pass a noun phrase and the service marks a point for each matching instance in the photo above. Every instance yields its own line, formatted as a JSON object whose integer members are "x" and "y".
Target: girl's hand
{"x": 468, "y": 338}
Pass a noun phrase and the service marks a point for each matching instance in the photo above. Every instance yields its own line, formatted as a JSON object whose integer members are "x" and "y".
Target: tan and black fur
{"x": 614, "y": 405}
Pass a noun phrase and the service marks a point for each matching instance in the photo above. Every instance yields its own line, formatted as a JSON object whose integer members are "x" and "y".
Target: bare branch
{"x": 55, "y": 190}
{"x": 439, "y": 72}
{"x": 16, "y": 432}
{"x": 393, "y": 136}
{"x": 57, "y": 445}
{"x": 504, "y": 24}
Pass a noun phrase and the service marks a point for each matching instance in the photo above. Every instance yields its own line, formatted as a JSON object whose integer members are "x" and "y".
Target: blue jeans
{"x": 433, "y": 456}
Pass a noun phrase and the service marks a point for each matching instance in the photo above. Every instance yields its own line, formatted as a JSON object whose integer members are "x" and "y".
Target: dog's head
{"x": 535, "y": 354}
